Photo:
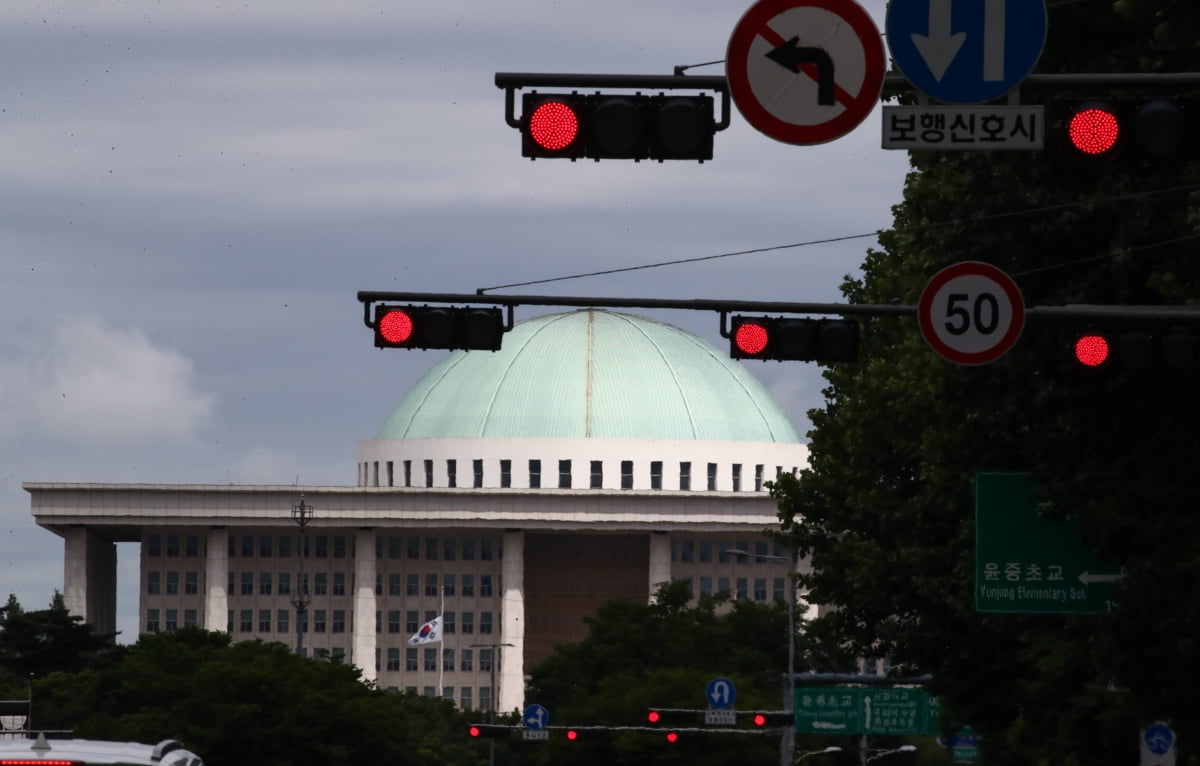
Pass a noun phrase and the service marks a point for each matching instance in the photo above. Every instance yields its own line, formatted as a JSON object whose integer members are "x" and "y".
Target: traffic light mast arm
{"x": 1081, "y": 312}
{"x": 510, "y": 82}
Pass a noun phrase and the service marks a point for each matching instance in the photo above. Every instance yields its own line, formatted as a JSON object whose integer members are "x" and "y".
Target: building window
{"x": 246, "y": 621}
{"x": 737, "y": 477}
{"x": 412, "y": 549}
{"x": 468, "y": 586}
{"x": 321, "y": 546}
{"x": 247, "y": 583}
{"x": 448, "y": 622}
{"x": 687, "y": 551}
{"x": 281, "y": 621}
{"x": 451, "y": 473}
{"x": 339, "y": 546}
{"x": 485, "y": 586}
{"x": 485, "y": 623}
{"x": 685, "y": 475}
{"x": 505, "y": 474}
{"x": 597, "y": 474}
{"x": 264, "y": 584}
{"x": 777, "y": 589}
{"x": 468, "y": 549}
{"x": 395, "y": 547}
{"x": 247, "y": 546}
{"x": 339, "y": 621}
{"x": 485, "y": 549}
{"x": 431, "y": 584}
{"x": 467, "y": 660}
{"x": 339, "y": 583}
{"x": 408, "y": 473}
{"x": 285, "y": 547}
{"x": 191, "y": 583}
{"x": 448, "y": 585}
{"x": 394, "y": 584}
{"x": 319, "y": 621}
{"x": 390, "y": 474}
{"x": 535, "y": 474}
{"x": 449, "y": 548}
{"x": 485, "y": 661}
{"x": 264, "y": 546}
{"x": 153, "y": 583}
{"x": 153, "y": 546}
{"x": 428, "y": 473}
{"x": 410, "y": 660}
{"x": 191, "y": 546}
{"x": 264, "y": 620}
{"x": 172, "y": 546}
{"x": 626, "y": 474}
{"x": 393, "y": 625}
{"x": 741, "y": 588}
{"x": 285, "y": 584}
{"x": 464, "y": 698}
{"x": 564, "y": 474}
{"x": 411, "y": 625}
{"x": 706, "y": 552}
{"x": 431, "y": 659}
{"x": 706, "y": 586}
{"x": 393, "y": 659}
{"x": 655, "y": 474}
{"x": 760, "y": 589}
{"x": 468, "y": 622}
{"x": 712, "y": 477}
{"x": 172, "y": 621}
{"x": 758, "y": 478}
{"x": 477, "y": 470}
{"x": 151, "y": 620}
{"x": 431, "y": 549}
{"x": 189, "y": 618}
{"x": 447, "y": 659}
{"x": 412, "y": 584}
{"x": 321, "y": 584}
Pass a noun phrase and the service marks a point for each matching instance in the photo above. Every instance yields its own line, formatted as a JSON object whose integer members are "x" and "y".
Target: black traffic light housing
{"x": 773, "y": 719}
{"x": 1122, "y": 131}
{"x": 440, "y": 327}
{"x": 488, "y": 731}
{"x": 792, "y": 339}
{"x": 617, "y": 126}
{"x": 1134, "y": 349}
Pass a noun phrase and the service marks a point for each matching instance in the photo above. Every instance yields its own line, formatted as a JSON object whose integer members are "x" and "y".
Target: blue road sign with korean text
{"x": 966, "y": 53}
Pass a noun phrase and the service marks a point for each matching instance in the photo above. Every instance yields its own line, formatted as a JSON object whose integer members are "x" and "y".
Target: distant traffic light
{"x": 1134, "y": 130}
{"x": 488, "y": 731}
{"x": 793, "y": 338}
{"x": 439, "y": 327}
{"x": 1135, "y": 350}
{"x": 773, "y": 719}
{"x": 617, "y": 126}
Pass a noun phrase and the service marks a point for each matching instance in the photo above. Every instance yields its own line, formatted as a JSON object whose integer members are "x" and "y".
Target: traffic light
{"x": 571, "y": 735}
{"x": 793, "y": 338}
{"x": 617, "y": 126}
{"x": 1099, "y": 132}
{"x": 439, "y": 327}
{"x": 773, "y": 719}
{"x": 1173, "y": 349}
{"x": 488, "y": 731}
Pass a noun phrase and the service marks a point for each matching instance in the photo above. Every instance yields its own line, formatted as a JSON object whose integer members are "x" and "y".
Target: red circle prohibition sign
{"x": 971, "y": 312}
{"x": 756, "y": 24}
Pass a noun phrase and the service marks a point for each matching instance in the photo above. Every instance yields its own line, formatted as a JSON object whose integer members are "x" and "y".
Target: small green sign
{"x": 902, "y": 711}
{"x": 1028, "y": 564}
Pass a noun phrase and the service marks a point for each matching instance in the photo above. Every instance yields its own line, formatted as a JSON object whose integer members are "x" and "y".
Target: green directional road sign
{"x": 1028, "y": 564}
{"x": 902, "y": 711}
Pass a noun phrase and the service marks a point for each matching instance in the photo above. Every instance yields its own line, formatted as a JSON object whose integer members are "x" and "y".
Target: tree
{"x": 251, "y": 702}
{"x": 885, "y": 508}
{"x": 34, "y": 644}
{"x": 638, "y": 656}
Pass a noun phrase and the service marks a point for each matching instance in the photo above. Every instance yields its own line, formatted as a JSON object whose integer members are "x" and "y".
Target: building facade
{"x": 595, "y": 456}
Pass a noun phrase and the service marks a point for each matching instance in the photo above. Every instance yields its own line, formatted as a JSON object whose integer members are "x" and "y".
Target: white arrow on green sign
{"x": 1028, "y": 564}
{"x": 902, "y": 711}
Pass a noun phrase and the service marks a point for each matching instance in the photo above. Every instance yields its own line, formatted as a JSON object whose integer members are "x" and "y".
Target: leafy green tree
{"x": 34, "y": 644}
{"x": 639, "y": 656}
{"x": 885, "y": 510}
{"x": 251, "y": 702}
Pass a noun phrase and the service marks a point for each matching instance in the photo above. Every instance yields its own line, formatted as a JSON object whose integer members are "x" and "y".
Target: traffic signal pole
{"x": 1071, "y": 313}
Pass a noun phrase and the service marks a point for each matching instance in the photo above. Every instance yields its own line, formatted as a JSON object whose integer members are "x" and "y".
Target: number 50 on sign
{"x": 971, "y": 313}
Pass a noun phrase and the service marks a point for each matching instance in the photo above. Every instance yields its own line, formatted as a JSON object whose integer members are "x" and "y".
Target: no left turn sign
{"x": 971, "y": 313}
{"x": 805, "y": 71}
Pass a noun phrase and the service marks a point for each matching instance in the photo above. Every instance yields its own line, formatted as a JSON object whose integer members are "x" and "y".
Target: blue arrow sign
{"x": 966, "y": 52}
{"x": 536, "y": 718}
{"x": 720, "y": 693}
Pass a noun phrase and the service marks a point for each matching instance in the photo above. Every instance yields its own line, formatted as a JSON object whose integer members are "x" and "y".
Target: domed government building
{"x": 595, "y": 456}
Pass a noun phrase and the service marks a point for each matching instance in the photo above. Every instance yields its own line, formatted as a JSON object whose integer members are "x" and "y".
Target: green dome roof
{"x": 591, "y": 373}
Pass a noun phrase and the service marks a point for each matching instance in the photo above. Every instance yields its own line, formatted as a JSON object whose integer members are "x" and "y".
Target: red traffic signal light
{"x": 488, "y": 731}
{"x": 654, "y": 716}
{"x": 1092, "y": 349}
{"x": 1093, "y": 129}
{"x": 672, "y": 737}
{"x": 793, "y": 338}
{"x": 617, "y": 126}
{"x": 439, "y": 327}
{"x": 773, "y": 718}
{"x": 572, "y": 735}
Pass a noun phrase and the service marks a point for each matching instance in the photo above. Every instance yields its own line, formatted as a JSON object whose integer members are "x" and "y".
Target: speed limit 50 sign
{"x": 971, "y": 312}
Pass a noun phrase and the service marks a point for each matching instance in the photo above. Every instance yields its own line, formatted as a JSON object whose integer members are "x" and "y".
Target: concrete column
{"x": 511, "y": 695}
{"x": 216, "y": 577}
{"x": 660, "y": 561}
{"x": 90, "y": 578}
{"x": 363, "y": 654}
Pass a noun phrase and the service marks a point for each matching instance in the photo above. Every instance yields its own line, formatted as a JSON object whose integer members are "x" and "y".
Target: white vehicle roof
{"x": 85, "y": 752}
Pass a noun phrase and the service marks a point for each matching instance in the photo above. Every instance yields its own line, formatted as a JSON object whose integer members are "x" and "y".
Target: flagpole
{"x": 442, "y": 648}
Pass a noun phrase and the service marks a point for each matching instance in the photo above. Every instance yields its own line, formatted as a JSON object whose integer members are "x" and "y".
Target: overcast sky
{"x": 194, "y": 192}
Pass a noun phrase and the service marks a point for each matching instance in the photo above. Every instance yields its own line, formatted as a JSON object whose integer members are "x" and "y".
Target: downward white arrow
{"x": 939, "y": 47}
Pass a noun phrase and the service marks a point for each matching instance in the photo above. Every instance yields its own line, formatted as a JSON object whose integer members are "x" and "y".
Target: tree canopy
{"x": 885, "y": 509}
